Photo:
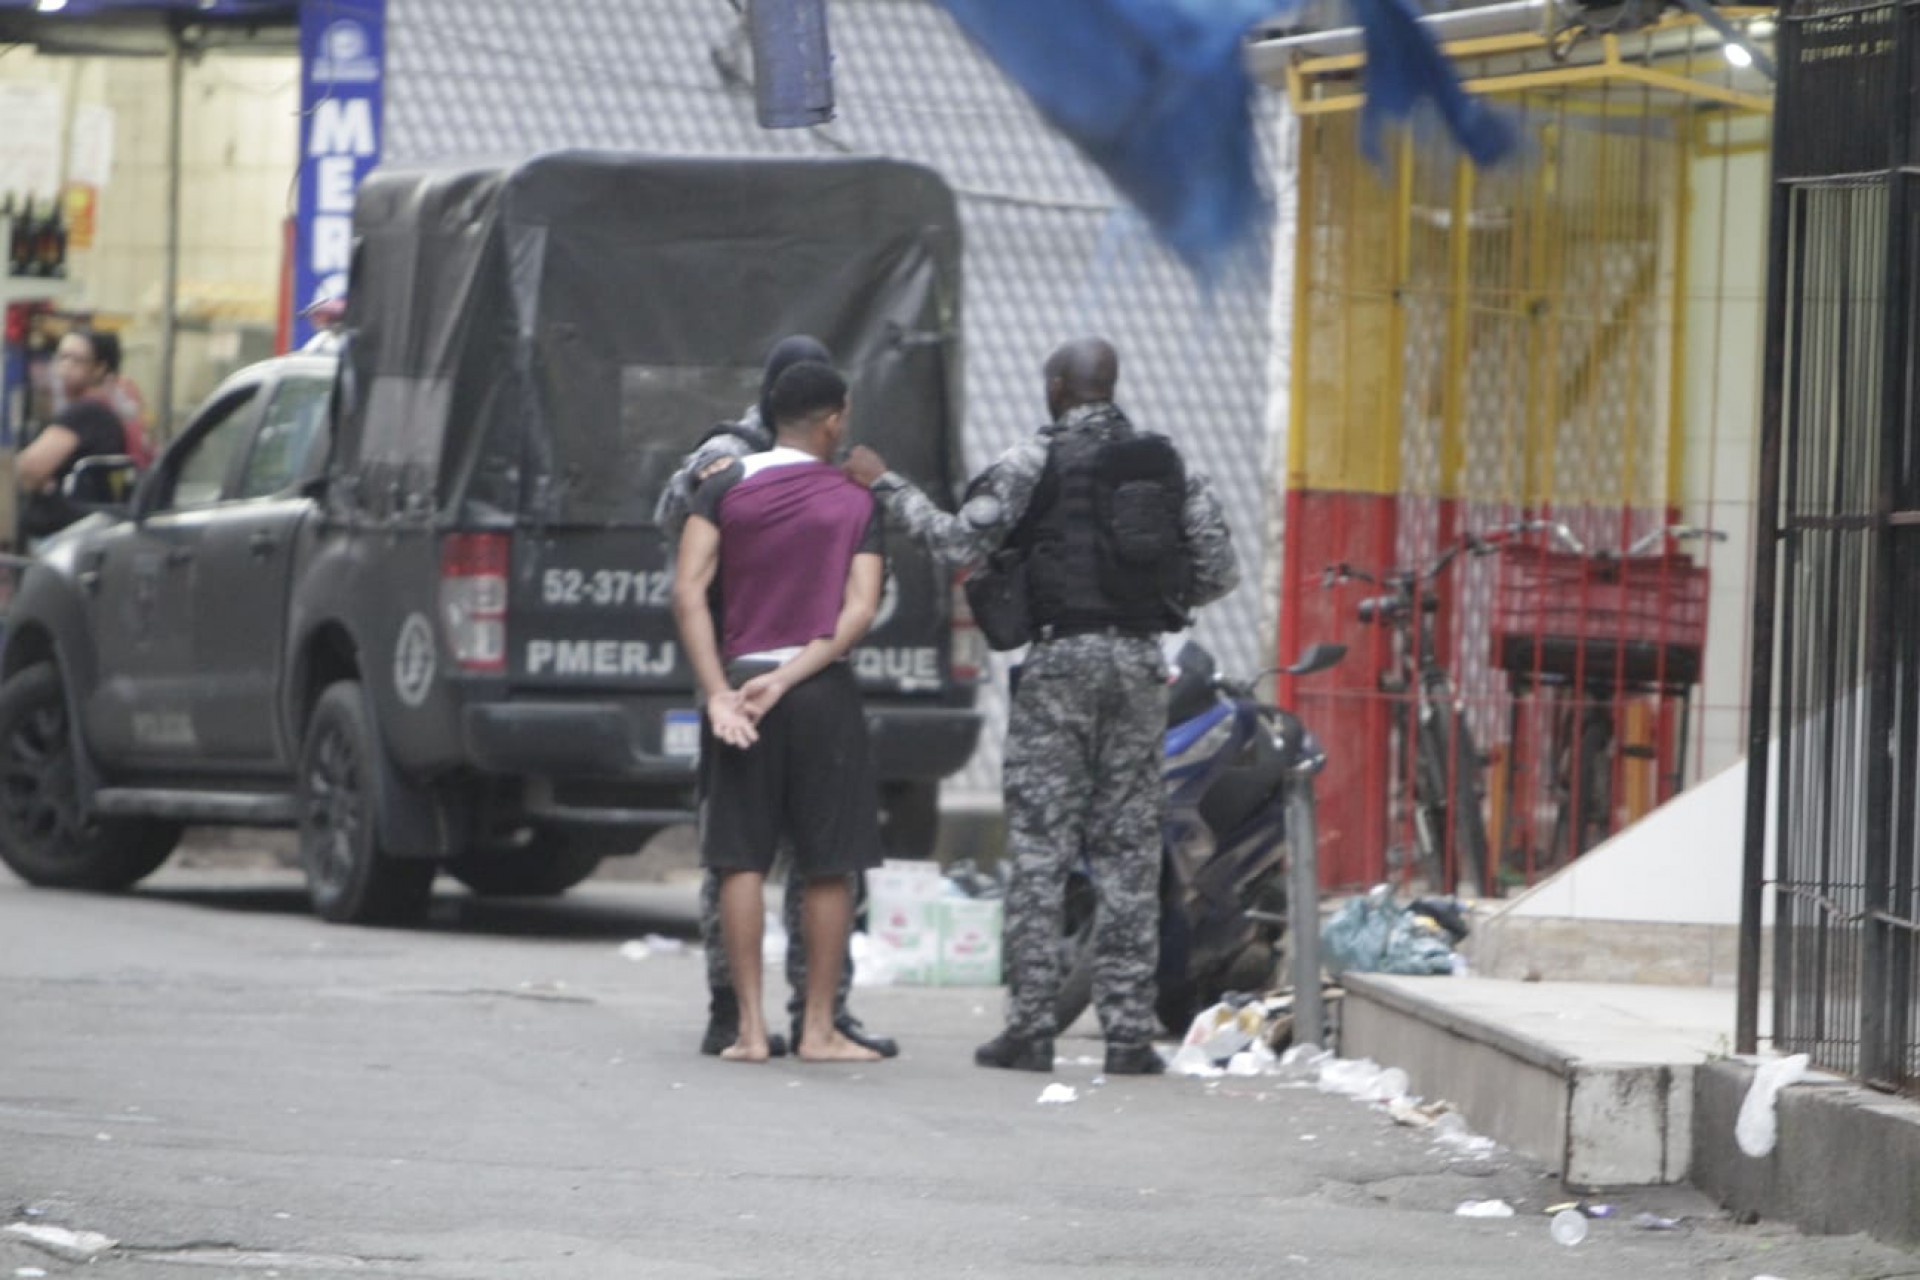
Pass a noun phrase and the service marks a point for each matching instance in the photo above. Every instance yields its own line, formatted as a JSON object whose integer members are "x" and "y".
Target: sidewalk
{"x": 1615, "y": 1085}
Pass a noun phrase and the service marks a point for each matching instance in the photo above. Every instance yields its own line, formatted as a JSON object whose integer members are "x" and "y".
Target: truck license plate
{"x": 681, "y": 737}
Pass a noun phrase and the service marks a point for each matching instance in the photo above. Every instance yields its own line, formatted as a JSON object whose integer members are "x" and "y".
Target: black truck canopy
{"x": 544, "y": 338}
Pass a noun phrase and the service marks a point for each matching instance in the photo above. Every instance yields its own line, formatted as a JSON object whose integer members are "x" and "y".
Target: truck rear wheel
{"x": 909, "y": 818}
{"x": 44, "y": 837}
{"x": 350, "y": 878}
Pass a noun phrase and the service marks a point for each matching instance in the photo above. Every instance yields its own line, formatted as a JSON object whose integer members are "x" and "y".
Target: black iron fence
{"x": 1837, "y": 584}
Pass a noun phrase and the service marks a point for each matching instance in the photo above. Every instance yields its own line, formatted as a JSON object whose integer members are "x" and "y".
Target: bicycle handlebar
{"x": 1679, "y": 533}
{"x": 1403, "y": 581}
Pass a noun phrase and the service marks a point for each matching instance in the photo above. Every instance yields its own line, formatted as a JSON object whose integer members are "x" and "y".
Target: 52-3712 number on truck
{"x": 606, "y": 588}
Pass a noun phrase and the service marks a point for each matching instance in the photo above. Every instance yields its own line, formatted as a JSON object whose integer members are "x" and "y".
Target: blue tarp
{"x": 1157, "y": 94}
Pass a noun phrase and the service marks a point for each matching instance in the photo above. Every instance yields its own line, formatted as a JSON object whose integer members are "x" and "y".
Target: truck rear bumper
{"x": 567, "y": 739}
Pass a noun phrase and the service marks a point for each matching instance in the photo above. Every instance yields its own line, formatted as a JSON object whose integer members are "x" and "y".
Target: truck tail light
{"x": 968, "y": 650}
{"x": 473, "y": 599}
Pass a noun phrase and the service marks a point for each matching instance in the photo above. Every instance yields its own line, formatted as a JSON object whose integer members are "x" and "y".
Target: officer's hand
{"x": 863, "y": 466}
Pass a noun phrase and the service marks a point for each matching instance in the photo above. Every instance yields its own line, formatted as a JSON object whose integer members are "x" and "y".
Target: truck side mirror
{"x": 101, "y": 483}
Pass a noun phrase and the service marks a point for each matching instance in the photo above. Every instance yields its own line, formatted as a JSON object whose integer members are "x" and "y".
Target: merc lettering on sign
{"x": 341, "y": 145}
{"x": 599, "y": 658}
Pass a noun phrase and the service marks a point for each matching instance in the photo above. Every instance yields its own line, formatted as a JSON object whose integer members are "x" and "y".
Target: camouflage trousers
{"x": 1082, "y": 777}
{"x": 720, "y": 977}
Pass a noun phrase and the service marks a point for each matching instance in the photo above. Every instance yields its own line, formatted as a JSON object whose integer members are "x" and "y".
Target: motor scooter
{"x": 1239, "y": 795}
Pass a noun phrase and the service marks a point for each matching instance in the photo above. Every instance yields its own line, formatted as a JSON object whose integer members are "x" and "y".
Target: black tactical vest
{"x": 1108, "y": 548}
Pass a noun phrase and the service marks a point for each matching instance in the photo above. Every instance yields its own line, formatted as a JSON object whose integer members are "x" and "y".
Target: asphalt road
{"x": 225, "y": 1086}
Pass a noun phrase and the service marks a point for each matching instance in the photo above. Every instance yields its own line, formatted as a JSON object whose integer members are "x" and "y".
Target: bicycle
{"x": 1449, "y": 828}
{"x": 1593, "y": 628}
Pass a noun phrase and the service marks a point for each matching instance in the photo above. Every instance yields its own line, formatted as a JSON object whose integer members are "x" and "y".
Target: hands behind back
{"x": 733, "y": 722}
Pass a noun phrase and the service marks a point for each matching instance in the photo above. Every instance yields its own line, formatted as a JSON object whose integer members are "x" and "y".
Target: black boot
{"x": 1016, "y": 1053}
{"x": 849, "y": 1026}
{"x": 723, "y": 1025}
{"x": 1134, "y": 1060}
{"x": 723, "y": 1021}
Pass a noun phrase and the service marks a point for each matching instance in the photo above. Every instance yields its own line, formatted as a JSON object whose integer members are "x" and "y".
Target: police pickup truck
{"x": 408, "y": 597}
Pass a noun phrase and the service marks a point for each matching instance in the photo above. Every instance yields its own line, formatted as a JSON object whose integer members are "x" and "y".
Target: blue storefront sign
{"x": 342, "y": 65}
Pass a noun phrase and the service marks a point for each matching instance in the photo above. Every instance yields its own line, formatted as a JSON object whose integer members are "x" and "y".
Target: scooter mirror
{"x": 1318, "y": 657}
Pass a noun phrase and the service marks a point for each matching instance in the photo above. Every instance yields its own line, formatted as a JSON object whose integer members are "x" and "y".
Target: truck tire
{"x": 552, "y": 866}
{"x": 909, "y": 818}
{"x": 44, "y": 837}
{"x": 350, "y": 878}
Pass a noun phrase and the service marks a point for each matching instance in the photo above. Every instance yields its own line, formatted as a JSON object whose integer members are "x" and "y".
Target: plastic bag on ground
{"x": 1374, "y": 934}
{"x": 1222, "y": 1031}
{"x": 73, "y": 1246}
{"x": 1758, "y": 1125}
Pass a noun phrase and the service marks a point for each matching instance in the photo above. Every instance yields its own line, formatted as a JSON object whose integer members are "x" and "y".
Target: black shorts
{"x": 809, "y": 778}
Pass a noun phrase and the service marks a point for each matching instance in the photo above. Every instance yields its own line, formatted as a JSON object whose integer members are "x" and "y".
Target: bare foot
{"x": 834, "y": 1047}
{"x": 744, "y": 1051}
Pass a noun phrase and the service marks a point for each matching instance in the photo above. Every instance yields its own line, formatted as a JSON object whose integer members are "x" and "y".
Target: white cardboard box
{"x": 921, "y": 937}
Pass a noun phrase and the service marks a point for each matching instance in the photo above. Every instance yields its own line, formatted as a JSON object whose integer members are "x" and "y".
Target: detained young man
{"x": 795, "y": 547}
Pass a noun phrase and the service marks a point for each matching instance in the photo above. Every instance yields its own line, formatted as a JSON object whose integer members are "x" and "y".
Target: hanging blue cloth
{"x": 1404, "y": 66}
{"x": 1158, "y": 96}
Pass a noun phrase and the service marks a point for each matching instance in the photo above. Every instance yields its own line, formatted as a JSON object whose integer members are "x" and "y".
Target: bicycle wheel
{"x": 1429, "y": 796}
{"x": 1469, "y": 824}
{"x": 1447, "y": 781}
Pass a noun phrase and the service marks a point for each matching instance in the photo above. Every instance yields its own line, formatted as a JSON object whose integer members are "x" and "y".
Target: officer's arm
{"x": 676, "y": 499}
{"x": 995, "y": 502}
{"x": 1216, "y": 567}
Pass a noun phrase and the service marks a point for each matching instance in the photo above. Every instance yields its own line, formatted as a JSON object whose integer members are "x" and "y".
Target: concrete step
{"x": 1595, "y": 1080}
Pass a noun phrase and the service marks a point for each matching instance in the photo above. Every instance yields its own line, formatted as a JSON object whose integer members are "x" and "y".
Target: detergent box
{"x": 969, "y": 942}
{"x": 920, "y": 934}
{"x": 902, "y": 930}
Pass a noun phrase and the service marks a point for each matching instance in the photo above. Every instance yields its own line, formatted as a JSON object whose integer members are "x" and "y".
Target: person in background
{"x": 785, "y": 756}
{"x": 752, "y": 433}
{"x": 85, "y": 426}
{"x": 122, "y": 395}
{"x": 1121, "y": 540}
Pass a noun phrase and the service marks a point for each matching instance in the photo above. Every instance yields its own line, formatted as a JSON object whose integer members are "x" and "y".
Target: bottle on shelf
{"x": 20, "y": 244}
{"x": 50, "y": 244}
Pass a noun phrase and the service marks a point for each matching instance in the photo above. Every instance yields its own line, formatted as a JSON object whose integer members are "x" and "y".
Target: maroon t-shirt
{"x": 790, "y": 526}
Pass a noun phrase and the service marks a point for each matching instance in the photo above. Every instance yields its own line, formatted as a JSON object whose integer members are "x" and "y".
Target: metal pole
{"x": 1303, "y": 910}
{"x": 1877, "y": 1054}
{"x": 1766, "y": 534}
{"x": 170, "y": 279}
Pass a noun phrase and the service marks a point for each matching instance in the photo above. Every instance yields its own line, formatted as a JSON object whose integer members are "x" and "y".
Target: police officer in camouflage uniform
{"x": 1121, "y": 540}
{"x": 752, "y": 433}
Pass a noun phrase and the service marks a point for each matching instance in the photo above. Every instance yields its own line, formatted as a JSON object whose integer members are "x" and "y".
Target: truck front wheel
{"x": 350, "y": 878}
{"x": 43, "y": 835}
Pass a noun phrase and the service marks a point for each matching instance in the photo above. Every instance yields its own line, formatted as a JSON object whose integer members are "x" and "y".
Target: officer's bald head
{"x": 1083, "y": 371}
